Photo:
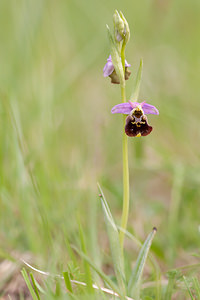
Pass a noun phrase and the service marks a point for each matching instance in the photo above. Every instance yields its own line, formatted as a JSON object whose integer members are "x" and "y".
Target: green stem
{"x": 125, "y": 210}
{"x": 123, "y": 64}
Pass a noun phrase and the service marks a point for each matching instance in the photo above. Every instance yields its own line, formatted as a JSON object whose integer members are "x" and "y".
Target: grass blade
{"x": 67, "y": 281}
{"x": 135, "y": 279}
{"x": 31, "y": 290}
{"x": 136, "y": 86}
{"x": 35, "y": 286}
{"x": 58, "y": 291}
{"x": 115, "y": 247}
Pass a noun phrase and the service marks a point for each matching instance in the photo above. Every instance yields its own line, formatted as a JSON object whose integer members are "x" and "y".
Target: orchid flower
{"x": 136, "y": 121}
{"x": 109, "y": 70}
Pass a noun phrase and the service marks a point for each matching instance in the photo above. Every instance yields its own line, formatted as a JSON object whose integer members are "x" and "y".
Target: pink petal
{"x": 127, "y": 64}
{"x": 122, "y": 108}
{"x": 150, "y": 109}
{"x": 108, "y": 68}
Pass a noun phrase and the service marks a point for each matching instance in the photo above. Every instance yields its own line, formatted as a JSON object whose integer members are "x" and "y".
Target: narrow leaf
{"x": 26, "y": 278}
{"x": 67, "y": 281}
{"x": 139, "y": 244}
{"x": 58, "y": 289}
{"x": 40, "y": 289}
{"x": 114, "y": 241}
{"x": 35, "y": 286}
{"x": 136, "y": 276}
{"x": 151, "y": 259}
{"x": 136, "y": 86}
{"x": 116, "y": 59}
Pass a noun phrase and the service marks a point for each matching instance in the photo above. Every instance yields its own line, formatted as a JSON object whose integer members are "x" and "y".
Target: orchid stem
{"x": 125, "y": 210}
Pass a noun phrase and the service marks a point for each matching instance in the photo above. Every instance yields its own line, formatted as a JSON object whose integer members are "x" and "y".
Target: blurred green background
{"x": 58, "y": 137}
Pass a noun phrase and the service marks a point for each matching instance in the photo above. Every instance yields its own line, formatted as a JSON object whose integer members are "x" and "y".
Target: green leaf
{"x": 139, "y": 244}
{"x": 116, "y": 59}
{"x": 151, "y": 259}
{"x": 26, "y": 278}
{"x": 35, "y": 286}
{"x": 58, "y": 290}
{"x": 67, "y": 281}
{"x": 39, "y": 288}
{"x": 114, "y": 241}
{"x": 136, "y": 276}
{"x": 99, "y": 272}
{"x": 136, "y": 86}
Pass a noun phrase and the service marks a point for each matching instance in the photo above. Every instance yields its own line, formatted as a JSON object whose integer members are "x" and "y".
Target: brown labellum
{"x": 135, "y": 128}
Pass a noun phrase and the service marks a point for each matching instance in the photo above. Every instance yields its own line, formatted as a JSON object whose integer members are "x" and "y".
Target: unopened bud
{"x": 119, "y": 27}
{"x": 126, "y": 28}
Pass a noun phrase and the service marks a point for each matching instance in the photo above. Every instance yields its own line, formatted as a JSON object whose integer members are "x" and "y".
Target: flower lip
{"x": 134, "y": 128}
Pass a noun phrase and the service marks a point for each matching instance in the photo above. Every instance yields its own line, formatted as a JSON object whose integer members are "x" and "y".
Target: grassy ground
{"x": 58, "y": 137}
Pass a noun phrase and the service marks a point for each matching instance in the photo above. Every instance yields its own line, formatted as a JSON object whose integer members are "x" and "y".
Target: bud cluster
{"x": 121, "y": 28}
{"x": 117, "y": 67}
